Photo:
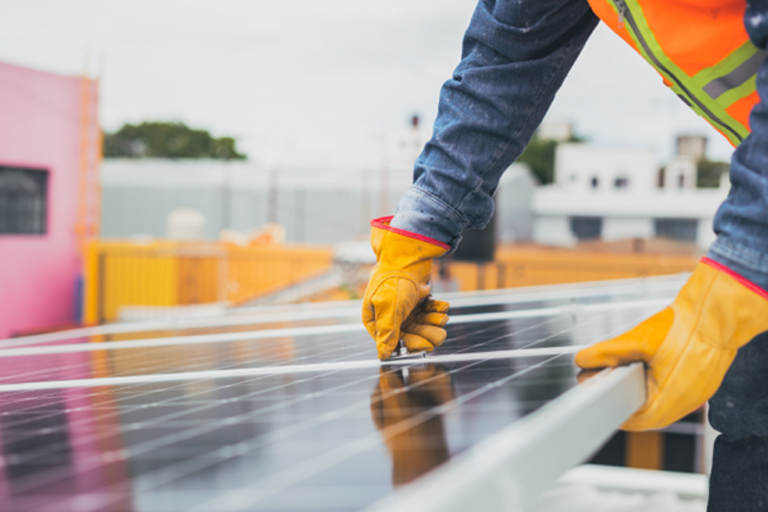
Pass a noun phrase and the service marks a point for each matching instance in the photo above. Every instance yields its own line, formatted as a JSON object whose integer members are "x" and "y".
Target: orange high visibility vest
{"x": 701, "y": 50}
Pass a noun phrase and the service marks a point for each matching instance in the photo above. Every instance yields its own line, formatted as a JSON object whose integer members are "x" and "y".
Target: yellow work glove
{"x": 416, "y": 443}
{"x": 397, "y": 304}
{"x": 687, "y": 347}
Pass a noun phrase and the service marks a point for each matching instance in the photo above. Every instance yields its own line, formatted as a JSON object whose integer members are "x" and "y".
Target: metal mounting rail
{"x": 509, "y": 470}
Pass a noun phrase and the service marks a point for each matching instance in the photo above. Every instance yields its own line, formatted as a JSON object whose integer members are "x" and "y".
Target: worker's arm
{"x": 741, "y": 222}
{"x": 515, "y": 57}
{"x": 688, "y": 347}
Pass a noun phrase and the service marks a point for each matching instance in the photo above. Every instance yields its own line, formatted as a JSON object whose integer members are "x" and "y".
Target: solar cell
{"x": 258, "y": 417}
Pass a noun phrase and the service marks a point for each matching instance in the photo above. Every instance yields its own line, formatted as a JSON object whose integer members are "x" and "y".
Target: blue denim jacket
{"x": 516, "y": 54}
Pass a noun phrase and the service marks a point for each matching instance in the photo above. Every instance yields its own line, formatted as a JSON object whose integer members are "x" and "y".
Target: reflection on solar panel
{"x": 287, "y": 408}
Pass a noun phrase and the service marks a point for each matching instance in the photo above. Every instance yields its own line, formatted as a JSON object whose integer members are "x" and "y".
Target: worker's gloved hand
{"x": 397, "y": 304}
{"x": 687, "y": 347}
{"x": 399, "y": 404}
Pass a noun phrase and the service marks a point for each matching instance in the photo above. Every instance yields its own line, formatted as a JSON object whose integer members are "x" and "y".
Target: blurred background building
{"x": 50, "y": 146}
{"x": 611, "y": 194}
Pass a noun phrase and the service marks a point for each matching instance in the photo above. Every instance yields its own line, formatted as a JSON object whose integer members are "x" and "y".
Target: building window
{"x": 595, "y": 182}
{"x": 677, "y": 229}
{"x": 621, "y": 183}
{"x": 587, "y": 228}
{"x": 23, "y": 201}
{"x": 681, "y": 181}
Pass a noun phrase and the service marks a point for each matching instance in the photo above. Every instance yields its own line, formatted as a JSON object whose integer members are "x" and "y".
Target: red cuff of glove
{"x": 383, "y": 223}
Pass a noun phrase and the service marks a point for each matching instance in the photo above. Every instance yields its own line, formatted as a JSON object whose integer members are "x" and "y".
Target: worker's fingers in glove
{"x": 436, "y": 306}
{"x": 437, "y": 319}
{"x": 415, "y": 343}
{"x": 637, "y": 344}
{"x": 432, "y": 312}
{"x": 422, "y": 337}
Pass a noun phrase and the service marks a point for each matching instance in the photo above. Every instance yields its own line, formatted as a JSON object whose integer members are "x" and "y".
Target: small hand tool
{"x": 401, "y": 352}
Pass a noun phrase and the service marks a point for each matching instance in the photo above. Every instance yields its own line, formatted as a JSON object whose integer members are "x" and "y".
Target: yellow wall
{"x": 168, "y": 274}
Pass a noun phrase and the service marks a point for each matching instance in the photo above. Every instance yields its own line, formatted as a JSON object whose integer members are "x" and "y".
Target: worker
{"x": 516, "y": 54}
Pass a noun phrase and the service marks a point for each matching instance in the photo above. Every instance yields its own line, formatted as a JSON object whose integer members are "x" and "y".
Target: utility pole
{"x": 300, "y": 213}
{"x": 273, "y": 193}
{"x": 366, "y": 199}
{"x": 226, "y": 196}
{"x": 384, "y": 199}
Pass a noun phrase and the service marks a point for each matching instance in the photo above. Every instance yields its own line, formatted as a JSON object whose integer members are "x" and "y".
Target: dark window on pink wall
{"x": 23, "y": 201}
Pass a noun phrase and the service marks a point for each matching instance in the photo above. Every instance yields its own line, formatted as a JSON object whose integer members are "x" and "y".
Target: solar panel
{"x": 274, "y": 414}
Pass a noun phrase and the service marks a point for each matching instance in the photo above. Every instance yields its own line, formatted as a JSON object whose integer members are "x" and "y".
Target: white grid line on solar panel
{"x": 279, "y": 367}
{"x": 319, "y": 330}
{"x": 188, "y": 411}
{"x": 464, "y": 299}
{"x": 281, "y": 480}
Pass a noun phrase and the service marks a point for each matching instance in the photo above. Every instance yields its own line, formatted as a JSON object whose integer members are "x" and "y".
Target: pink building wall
{"x": 41, "y": 116}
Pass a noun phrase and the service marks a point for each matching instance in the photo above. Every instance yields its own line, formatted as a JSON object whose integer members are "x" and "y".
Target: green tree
{"x": 708, "y": 173}
{"x": 539, "y": 154}
{"x": 168, "y": 140}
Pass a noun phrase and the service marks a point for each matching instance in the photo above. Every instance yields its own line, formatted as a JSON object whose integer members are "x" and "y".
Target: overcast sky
{"x": 307, "y": 80}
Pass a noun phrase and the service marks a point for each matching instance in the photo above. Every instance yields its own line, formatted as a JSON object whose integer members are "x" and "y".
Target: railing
{"x": 121, "y": 274}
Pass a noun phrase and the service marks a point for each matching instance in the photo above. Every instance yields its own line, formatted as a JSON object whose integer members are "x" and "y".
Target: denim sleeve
{"x": 515, "y": 56}
{"x": 741, "y": 222}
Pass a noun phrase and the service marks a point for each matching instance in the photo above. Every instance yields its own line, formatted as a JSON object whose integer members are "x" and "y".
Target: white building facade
{"x": 586, "y": 168}
{"x": 614, "y": 194}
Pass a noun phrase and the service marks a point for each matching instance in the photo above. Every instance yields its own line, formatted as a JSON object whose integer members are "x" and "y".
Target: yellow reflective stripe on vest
{"x": 712, "y": 90}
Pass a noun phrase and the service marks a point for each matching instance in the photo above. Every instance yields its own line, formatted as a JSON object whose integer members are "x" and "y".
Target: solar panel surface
{"x": 270, "y": 414}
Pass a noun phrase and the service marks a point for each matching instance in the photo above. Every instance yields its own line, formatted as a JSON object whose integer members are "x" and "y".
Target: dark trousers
{"x": 739, "y": 411}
